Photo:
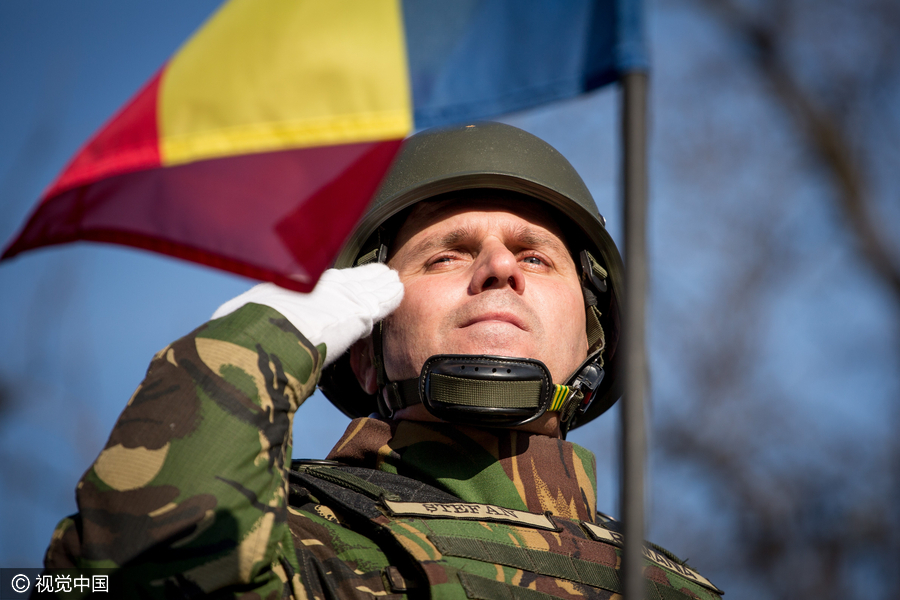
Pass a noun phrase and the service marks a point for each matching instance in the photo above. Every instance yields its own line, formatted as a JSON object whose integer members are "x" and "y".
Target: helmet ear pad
{"x": 362, "y": 363}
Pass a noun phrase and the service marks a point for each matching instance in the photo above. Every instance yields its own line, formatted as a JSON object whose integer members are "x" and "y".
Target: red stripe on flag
{"x": 278, "y": 216}
{"x": 128, "y": 142}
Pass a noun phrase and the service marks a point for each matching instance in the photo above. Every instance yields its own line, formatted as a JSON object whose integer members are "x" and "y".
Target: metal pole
{"x": 634, "y": 439}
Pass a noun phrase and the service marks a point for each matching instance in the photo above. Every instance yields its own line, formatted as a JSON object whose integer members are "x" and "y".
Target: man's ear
{"x": 362, "y": 361}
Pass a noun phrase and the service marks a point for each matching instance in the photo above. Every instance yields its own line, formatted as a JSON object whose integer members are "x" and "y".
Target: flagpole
{"x": 634, "y": 438}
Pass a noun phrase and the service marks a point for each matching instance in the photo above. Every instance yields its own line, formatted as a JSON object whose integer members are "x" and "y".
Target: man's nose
{"x": 495, "y": 268}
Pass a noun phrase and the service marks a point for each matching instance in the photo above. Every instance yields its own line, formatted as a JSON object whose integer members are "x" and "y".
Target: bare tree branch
{"x": 822, "y": 128}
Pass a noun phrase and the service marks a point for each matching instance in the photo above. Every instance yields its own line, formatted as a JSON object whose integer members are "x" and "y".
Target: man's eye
{"x": 533, "y": 260}
{"x": 441, "y": 260}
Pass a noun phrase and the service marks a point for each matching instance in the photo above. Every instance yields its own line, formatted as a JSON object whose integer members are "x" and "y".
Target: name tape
{"x": 605, "y": 535}
{"x": 469, "y": 511}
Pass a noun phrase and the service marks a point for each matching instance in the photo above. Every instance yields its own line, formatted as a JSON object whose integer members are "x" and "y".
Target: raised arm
{"x": 189, "y": 494}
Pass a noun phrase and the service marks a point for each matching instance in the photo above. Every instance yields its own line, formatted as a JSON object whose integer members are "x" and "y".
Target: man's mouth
{"x": 496, "y": 317}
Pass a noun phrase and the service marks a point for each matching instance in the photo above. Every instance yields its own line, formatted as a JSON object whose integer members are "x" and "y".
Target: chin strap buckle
{"x": 586, "y": 383}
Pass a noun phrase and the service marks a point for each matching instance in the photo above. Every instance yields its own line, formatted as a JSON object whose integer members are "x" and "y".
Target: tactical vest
{"x": 442, "y": 547}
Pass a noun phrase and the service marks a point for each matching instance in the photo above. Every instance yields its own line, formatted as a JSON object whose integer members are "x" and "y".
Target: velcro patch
{"x": 469, "y": 511}
{"x": 605, "y": 535}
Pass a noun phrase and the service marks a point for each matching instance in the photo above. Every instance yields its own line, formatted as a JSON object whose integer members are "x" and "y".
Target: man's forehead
{"x": 454, "y": 210}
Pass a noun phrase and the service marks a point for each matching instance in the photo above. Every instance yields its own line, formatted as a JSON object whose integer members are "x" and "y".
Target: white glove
{"x": 342, "y": 308}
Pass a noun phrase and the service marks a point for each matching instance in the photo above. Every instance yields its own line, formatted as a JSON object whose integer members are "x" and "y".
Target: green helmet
{"x": 495, "y": 156}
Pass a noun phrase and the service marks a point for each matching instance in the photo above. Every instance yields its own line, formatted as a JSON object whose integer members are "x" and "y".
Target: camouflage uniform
{"x": 192, "y": 495}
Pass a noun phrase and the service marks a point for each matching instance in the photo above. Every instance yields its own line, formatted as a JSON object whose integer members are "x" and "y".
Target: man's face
{"x": 485, "y": 276}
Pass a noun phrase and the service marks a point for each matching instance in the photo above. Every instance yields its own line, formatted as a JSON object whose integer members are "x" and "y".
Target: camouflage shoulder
{"x": 662, "y": 567}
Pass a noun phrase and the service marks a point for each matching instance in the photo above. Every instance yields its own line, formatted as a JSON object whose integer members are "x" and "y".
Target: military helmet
{"x": 490, "y": 156}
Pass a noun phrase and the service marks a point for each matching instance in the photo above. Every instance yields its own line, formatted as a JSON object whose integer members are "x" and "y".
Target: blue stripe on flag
{"x": 472, "y": 59}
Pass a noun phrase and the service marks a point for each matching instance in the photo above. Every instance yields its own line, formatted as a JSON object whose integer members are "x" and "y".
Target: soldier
{"x": 499, "y": 289}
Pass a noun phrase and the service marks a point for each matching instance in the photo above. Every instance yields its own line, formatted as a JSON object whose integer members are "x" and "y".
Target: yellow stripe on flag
{"x": 267, "y": 75}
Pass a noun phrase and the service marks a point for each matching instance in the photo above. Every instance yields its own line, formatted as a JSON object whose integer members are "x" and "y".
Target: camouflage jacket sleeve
{"x": 189, "y": 494}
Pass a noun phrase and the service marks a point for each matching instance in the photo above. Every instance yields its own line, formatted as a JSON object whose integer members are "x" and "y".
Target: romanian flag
{"x": 257, "y": 146}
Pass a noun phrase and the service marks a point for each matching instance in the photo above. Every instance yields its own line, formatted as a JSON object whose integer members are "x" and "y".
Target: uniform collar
{"x": 515, "y": 469}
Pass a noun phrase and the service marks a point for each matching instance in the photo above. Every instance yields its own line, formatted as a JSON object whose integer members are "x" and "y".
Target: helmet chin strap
{"x": 493, "y": 391}
{"x": 499, "y": 391}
